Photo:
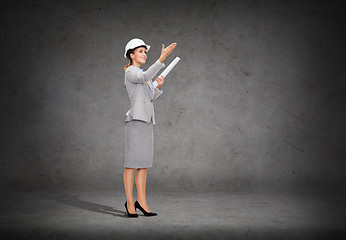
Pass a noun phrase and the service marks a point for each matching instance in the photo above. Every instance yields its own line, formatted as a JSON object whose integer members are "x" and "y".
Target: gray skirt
{"x": 139, "y": 140}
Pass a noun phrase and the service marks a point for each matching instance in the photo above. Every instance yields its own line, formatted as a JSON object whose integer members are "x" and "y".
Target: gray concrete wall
{"x": 257, "y": 100}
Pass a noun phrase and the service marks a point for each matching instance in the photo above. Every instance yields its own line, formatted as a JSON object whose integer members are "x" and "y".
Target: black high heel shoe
{"x": 147, "y": 214}
{"x": 133, "y": 215}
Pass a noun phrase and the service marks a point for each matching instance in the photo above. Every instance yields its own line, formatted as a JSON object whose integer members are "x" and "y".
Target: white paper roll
{"x": 170, "y": 67}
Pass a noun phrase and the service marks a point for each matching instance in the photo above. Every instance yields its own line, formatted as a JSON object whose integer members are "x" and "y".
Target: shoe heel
{"x": 132, "y": 215}
{"x": 147, "y": 214}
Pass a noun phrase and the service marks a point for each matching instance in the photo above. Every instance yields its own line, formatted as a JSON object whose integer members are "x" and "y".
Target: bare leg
{"x": 128, "y": 183}
{"x": 141, "y": 179}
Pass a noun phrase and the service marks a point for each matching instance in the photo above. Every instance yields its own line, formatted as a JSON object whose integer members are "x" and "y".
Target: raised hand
{"x": 166, "y": 51}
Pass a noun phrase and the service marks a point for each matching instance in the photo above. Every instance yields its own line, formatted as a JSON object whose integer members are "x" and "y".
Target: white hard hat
{"x": 133, "y": 43}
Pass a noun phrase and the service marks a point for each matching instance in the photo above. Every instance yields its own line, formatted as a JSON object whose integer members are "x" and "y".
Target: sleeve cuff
{"x": 162, "y": 64}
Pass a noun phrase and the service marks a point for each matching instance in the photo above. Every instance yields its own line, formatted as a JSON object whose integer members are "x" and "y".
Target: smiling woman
{"x": 138, "y": 53}
{"x": 140, "y": 119}
{"x": 139, "y": 56}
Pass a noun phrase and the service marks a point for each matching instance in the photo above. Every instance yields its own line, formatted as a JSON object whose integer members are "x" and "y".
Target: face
{"x": 139, "y": 55}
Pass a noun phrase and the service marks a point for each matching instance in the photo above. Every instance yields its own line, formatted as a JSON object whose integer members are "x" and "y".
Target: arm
{"x": 164, "y": 53}
{"x": 142, "y": 77}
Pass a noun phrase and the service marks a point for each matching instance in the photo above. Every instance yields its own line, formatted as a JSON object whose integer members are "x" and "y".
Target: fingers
{"x": 160, "y": 79}
{"x": 171, "y": 47}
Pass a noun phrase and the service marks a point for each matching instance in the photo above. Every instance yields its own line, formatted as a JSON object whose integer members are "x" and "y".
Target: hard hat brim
{"x": 147, "y": 46}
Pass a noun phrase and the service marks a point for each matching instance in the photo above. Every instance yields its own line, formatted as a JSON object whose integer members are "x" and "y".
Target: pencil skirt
{"x": 139, "y": 144}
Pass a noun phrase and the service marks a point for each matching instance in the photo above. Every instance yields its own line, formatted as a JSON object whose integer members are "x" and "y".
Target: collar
{"x": 138, "y": 68}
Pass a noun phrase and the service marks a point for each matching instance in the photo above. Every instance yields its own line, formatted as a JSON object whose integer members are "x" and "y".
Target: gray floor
{"x": 182, "y": 214}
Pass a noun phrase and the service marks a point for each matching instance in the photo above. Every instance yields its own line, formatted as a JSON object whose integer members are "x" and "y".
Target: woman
{"x": 140, "y": 119}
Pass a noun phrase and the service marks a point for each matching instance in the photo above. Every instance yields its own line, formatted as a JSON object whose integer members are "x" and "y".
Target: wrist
{"x": 161, "y": 59}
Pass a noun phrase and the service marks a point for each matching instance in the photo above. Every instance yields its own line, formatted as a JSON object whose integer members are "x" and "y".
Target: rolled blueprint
{"x": 170, "y": 67}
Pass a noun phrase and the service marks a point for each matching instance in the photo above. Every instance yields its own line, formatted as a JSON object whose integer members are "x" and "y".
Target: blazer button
{"x": 151, "y": 100}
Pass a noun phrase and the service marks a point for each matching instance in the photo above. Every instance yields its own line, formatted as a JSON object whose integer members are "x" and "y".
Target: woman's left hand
{"x": 160, "y": 81}
{"x": 166, "y": 51}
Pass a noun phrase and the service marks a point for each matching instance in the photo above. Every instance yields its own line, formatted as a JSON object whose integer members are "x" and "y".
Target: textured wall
{"x": 257, "y": 100}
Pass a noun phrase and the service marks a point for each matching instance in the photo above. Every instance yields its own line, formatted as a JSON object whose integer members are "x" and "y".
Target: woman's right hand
{"x": 166, "y": 51}
{"x": 160, "y": 81}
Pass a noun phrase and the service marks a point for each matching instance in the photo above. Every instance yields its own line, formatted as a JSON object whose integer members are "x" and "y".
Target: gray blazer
{"x": 140, "y": 94}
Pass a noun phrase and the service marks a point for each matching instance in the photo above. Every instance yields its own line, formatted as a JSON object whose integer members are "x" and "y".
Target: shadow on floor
{"x": 74, "y": 201}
